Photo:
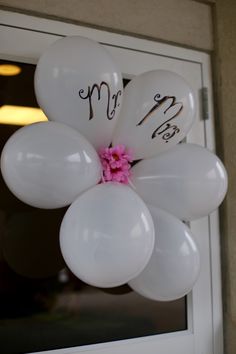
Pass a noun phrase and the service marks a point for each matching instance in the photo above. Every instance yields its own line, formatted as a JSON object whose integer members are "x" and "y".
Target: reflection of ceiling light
{"x": 17, "y": 115}
{"x": 9, "y": 70}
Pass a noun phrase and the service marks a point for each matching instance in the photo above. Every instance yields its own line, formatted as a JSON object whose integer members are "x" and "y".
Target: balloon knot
{"x": 116, "y": 164}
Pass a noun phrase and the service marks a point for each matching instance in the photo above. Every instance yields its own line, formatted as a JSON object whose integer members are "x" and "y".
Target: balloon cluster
{"x": 114, "y": 157}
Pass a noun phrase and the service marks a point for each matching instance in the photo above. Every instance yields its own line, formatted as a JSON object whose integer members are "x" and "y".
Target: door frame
{"x": 24, "y": 38}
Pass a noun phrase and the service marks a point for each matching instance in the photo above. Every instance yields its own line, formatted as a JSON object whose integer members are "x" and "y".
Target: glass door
{"x": 43, "y": 306}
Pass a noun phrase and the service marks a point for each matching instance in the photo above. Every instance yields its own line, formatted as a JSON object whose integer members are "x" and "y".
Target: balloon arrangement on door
{"x": 114, "y": 156}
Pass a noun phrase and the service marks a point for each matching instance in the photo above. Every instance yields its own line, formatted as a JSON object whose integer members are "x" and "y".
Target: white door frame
{"x": 23, "y": 38}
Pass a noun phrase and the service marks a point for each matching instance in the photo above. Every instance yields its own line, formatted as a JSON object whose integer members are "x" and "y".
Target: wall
{"x": 178, "y": 21}
{"x": 186, "y": 23}
{"x": 225, "y": 75}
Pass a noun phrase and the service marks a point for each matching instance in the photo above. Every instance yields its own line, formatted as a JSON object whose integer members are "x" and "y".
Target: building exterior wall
{"x": 184, "y": 22}
{"x": 225, "y": 76}
{"x": 206, "y": 25}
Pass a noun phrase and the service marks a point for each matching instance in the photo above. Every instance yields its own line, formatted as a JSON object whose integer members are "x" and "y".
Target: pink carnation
{"x": 116, "y": 164}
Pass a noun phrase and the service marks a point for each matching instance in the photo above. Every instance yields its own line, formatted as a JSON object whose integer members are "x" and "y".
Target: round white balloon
{"x": 78, "y": 83}
{"x": 157, "y": 112}
{"x": 175, "y": 262}
{"x": 188, "y": 181}
{"x": 107, "y": 235}
{"x": 47, "y": 165}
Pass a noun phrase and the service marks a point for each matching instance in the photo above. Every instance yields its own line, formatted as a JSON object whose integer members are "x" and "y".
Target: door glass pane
{"x": 42, "y": 305}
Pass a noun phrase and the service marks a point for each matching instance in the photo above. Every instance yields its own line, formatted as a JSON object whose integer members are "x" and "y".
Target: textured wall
{"x": 225, "y": 74}
{"x": 180, "y": 21}
{"x": 187, "y": 23}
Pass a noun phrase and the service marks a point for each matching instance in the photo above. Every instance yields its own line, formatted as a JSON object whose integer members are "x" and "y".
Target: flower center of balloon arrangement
{"x": 116, "y": 163}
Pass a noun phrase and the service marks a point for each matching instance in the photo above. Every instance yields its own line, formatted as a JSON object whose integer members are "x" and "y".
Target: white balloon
{"x": 175, "y": 262}
{"x": 47, "y": 165}
{"x": 77, "y": 83}
{"x": 157, "y": 112}
{"x": 188, "y": 181}
{"x": 107, "y": 235}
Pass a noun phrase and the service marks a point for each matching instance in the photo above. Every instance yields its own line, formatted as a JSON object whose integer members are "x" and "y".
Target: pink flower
{"x": 116, "y": 163}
